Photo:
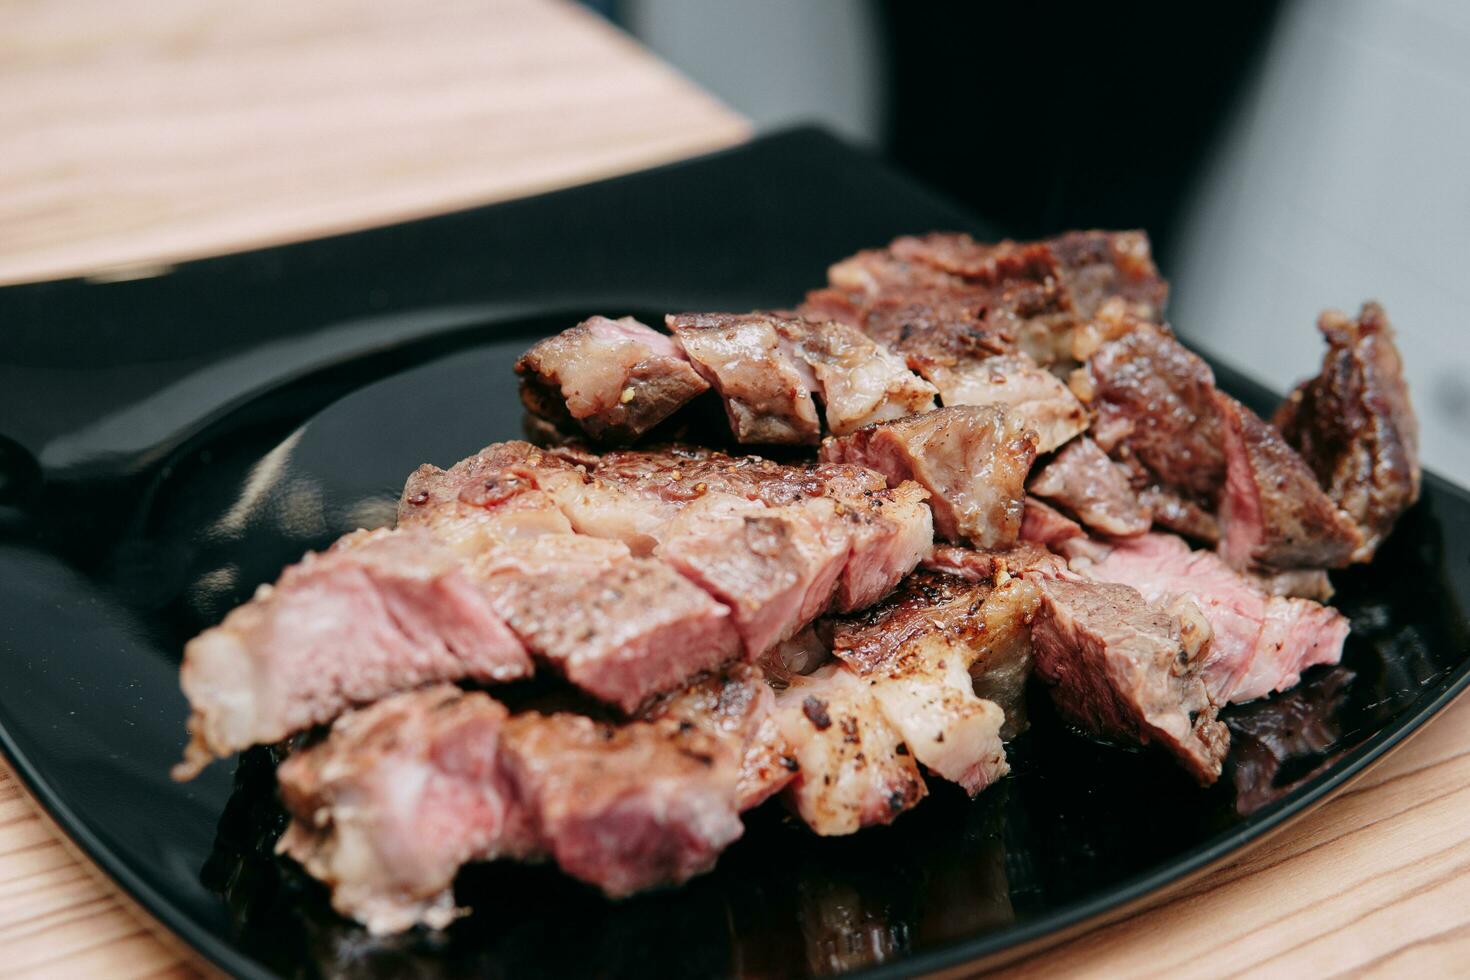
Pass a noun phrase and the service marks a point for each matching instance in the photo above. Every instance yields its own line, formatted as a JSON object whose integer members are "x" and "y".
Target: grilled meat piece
{"x": 1156, "y": 413}
{"x": 626, "y": 807}
{"x": 1261, "y": 642}
{"x": 401, "y": 794}
{"x": 737, "y": 704}
{"x": 1083, "y": 480}
{"x": 1122, "y": 667}
{"x": 934, "y": 629}
{"x": 767, "y": 394}
{"x": 887, "y": 530}
{"x": 1045, "y": 404}
{"x": 378, "y": 612}
{"x": 859, "y": 381}
{"x": 1354, "y": 425}
{"x": 621, "y": 632}
{"x": 1273, "y": 513}
{"x": 973, "y": 462}
{"x": 1044, "y": 525}
{"x": 398, "y": 797}
{"x": 1025, "y": 559}
{"x": 855, "y": 770}
{"x": 615, "y": 378}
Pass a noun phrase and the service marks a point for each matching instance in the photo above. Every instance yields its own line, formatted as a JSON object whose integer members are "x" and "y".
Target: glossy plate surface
{"x": 167, "y": 444}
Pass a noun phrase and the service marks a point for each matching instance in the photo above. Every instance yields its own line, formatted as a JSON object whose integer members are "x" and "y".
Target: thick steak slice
{"x": 626, "y": 807}
{"x": 1031, "y": 393}
{"x": 973, "y": 461}
{"x": 1261, "y": 642}
{"x": 622, "y": 632}
{"x": 676, "y": 490}
{"x": 775, "y": 567}
{"x": 1354, "y": 425}
{"x": 958, "y": 638}
{"x": 403, "y": 793}
{"x": 615, "y": 378}
{"x": 1273, "y": 513}
{"x": 854, "y": 768}
{"x": 1156, "y": 412}
{"x": 1083, "y": 480}
{"x": 1045, "y": 525}
{"x": 860, "y": 381}
{"x": 738, "y": 705}
{"x": 767, "y": 395}
{"x": 1124, "y": 668}
{"x": 396, "y": 799}
{"x": 378, "y": 612}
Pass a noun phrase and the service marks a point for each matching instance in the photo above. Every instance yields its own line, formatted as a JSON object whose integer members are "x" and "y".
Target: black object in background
{"x": 1045, "y": 116}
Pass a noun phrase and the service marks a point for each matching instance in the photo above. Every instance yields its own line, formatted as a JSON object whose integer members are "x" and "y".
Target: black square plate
{"x": 166, "y": 444}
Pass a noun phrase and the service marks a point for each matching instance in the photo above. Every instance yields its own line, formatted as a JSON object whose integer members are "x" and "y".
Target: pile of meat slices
{"x": 1016, "y": 475}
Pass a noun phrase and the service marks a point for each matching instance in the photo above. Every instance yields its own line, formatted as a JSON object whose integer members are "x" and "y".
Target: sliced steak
{"x": 973, "y": 462}
{"x": 1273, "y": 513}
{"x": 855, "y": 770}
{"x": 622, "y": 632}
{"x": 626, "y": 807}
{"x": 1122, "y": 667}
{"x": 887, "y": 530}
{"x": 737, "y": 705}
{"x": 1015, "y": 381}
{"x": 1083, "y": 480}
{"x": 399, "y": 796}
{"x": 1156, "y": 413}
{"x": 1045, "y": 525}
{"x": 1261, "y": 642}
{"x": 379, "y": 612}
{"x": 767, "y": 394}
{"x": 860, "y": 381}
{"x": 1354, "y": 425}
{"x": 615, "y": 378}
{"x": 1026, "y": 560}
{"x": 948, "y": 639}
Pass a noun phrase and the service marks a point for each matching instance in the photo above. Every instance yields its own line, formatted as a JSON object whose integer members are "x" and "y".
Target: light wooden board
{"x": 145, "y": 133}
{"x": 148, "y": 131}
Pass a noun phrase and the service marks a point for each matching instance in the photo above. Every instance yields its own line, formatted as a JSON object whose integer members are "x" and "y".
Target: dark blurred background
{"x": 1285, "y": 156}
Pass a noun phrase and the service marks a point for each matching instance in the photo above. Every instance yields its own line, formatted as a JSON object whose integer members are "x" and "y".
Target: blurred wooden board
{"x": 151, "y": 131}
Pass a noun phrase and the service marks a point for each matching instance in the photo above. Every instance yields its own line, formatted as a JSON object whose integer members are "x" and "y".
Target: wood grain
{"x": 155, "y": 130}
{"x": 140, "y": 133}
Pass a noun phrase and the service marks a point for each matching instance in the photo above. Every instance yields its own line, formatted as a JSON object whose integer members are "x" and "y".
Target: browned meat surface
{"x": 860, "y": 382}
{"x": 1354, "y": 425}
{"x": 379, "y": 612}
{"x": 739, "y": 706}
{"x": 855, "y": 769}
{"x": 1261, "y": 642}
{"x": 1045, "y": 525}
{"x": 621, "y": 632}
{"x": 1045, "y": 404}
{"x": 615, "y": 378}
{"x": 943, "y": 299}
{"x": 1026, "y": 559}
{"x": 1121, "y": 667}
{"x": 1086, "y": 483}
{"x": 973, "y": 462}
{"x": 398, "y": 797}
{"x": 401, "y": 794}
{"x": 1156, "y": 414}
{"x": 767, "y": 394}
{"x": 774, "y": 544}
{"x": 626, "y": 807}
{"x": 932, "y": 651}
{"x": 1273, "y": 513}
{"x": 887, "y": 530}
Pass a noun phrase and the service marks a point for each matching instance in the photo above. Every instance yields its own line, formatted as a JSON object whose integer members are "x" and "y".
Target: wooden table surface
{"x": 133, "y": 135}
